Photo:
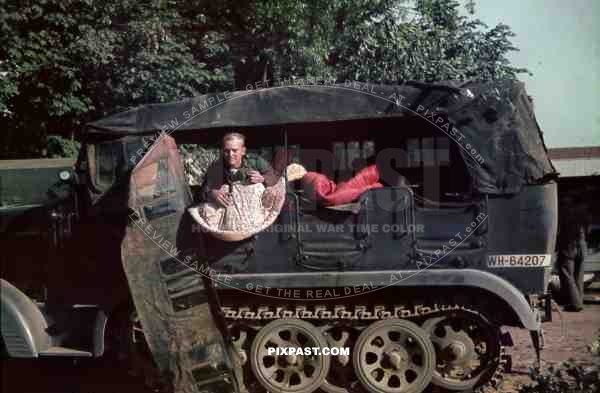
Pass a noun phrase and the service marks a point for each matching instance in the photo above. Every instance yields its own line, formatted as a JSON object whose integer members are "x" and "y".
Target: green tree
{"x": 70, "y": 61}
{"x": 370, "y": 40}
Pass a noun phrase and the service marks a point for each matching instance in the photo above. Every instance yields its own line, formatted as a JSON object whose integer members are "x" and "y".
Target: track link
{"x": 250, "y": 320}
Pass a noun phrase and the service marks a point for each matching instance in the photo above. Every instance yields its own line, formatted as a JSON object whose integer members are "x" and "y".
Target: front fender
{"x": 23, "y": 325}
{"x": 486, "y": 281}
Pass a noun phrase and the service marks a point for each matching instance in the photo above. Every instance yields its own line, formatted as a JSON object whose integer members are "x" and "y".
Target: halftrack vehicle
{"x": 416, "y": 277}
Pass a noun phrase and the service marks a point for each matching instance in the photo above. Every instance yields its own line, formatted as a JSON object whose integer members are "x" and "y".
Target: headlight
{"x": 64, "y": 175}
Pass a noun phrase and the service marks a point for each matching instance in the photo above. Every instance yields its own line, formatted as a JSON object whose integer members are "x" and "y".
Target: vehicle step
{"x": 64, "y": 352}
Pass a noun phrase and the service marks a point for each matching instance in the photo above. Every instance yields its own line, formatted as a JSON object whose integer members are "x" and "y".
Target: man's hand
{"x": 222, "y": 197}
{"x": 255, "y": 177}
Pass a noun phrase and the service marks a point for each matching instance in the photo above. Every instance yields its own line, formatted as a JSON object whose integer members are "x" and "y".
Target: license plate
{"x": 519, "y": 260}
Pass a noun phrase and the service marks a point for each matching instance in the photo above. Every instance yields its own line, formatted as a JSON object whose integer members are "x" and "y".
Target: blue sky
{"x": 559, "y": 43}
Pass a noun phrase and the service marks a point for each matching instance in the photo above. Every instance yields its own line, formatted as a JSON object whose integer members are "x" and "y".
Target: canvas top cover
{"x": 492, "y": 122}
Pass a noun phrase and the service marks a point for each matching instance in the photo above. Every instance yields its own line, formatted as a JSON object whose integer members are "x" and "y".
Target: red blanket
{"x": 326, "y": 192}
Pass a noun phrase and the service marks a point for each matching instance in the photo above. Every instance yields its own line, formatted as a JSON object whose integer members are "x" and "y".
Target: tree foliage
{"x": 69, "y": 61}
{"x": 61, "y": 147}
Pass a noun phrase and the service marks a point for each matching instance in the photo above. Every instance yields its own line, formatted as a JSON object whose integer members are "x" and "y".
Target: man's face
{"x": 233, "y": 152}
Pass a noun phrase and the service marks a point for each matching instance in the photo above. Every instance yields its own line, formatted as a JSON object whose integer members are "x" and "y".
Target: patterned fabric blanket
{"x": 254, "y": 208}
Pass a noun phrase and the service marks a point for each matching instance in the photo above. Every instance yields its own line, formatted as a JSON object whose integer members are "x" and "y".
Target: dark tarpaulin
{"x": 494, "y": 123}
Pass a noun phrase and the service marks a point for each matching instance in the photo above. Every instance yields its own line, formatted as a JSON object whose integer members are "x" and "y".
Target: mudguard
{"x": 23, "y": 324}
{"x": 170, "y": 298}
{"x": 439, "y": 278}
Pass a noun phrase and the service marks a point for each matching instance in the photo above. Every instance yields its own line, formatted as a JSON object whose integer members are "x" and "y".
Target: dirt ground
{"x": 566, "y": 337}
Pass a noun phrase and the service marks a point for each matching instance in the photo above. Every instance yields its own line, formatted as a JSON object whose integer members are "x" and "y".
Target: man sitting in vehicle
{"x": 243, "y": 195}
{"x": 235, "y": 166}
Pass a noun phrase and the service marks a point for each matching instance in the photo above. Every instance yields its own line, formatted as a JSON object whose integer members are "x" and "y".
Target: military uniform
{"x": 216, "y": 176}
{"x": 219, "y": 174}
{"x": 572, "y": 249}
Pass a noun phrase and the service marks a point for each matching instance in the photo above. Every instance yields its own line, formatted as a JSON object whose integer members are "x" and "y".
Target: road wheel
{"x": 289, "y": 373}
{"x": 467, "y": 348}
{"x": 394, "y": 356}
